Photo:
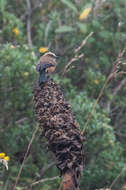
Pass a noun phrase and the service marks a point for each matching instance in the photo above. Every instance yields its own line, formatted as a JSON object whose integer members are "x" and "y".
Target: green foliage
{"x": 70, "y": 5}
{"x": 57, "y": 25}
{"x": 106, "y": 161}
{"x": 64, "y": 29}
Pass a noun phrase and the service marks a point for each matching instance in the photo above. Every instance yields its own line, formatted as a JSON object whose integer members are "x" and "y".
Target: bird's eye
{"x": 53, "y": 55}
{"x": 50, "y": 54}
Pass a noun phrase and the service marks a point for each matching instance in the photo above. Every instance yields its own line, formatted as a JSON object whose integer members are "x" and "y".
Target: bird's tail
{"x": 68, "y": 181}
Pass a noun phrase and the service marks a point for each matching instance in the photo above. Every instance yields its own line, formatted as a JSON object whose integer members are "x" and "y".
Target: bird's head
{"x": 47, "y": 62}
{"x": 48, "y": 57}
{"x": 50, "y": 54}
{"x": 45, "y": 66}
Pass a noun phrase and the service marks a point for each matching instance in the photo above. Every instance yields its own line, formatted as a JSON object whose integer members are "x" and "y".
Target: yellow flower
{"x": 43, "y": 49}
{"x": 26, "y": 73}
{"x": 96, "y": 81}
{"x": 16, "y": 31}
{"x": 7, "y": 158}
{"x": 85, "y": 13}
{"x": 2, "y": 155}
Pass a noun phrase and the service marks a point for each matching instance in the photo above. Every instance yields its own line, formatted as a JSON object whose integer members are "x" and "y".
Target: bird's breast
{"x": 51, "y": 69}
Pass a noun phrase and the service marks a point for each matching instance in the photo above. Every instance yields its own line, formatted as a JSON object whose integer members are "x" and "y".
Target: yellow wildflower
{"x": 26, "y": 74}
{"x": 16, "y": 31}
{"x": 7, "y": 158}
{"x": 43, "y": 49}
{"x": 96, "y": 81}
{"x": 85, "y": 13}
{"x": 2, "y": 155}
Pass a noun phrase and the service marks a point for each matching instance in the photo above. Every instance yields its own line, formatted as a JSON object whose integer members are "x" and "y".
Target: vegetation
{"x": 27, "y": 29}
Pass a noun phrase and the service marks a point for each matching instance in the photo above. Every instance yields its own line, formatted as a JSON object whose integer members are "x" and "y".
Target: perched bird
{"x": 45, "y": 66}
{"x": 58, "y": 125}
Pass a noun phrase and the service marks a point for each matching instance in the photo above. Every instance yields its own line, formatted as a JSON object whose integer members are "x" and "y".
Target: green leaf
{"x": 70, "y": 5}
{"x": 64, "y": 28}
{"x": 106, "y": 35}
{"x": 3, "y": 4}
{"x": 83, "y": 27}
{"x": 95, "y": 23}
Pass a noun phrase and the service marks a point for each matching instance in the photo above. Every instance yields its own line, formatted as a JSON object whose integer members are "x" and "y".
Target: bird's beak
{"x": 57, "y": 56}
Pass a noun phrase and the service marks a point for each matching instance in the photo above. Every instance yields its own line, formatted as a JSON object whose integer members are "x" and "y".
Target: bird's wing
{"x": 38, "y": 67}
{"x": 43, "y": 65}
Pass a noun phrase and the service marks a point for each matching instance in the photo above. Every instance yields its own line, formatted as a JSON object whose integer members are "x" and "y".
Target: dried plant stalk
{"x": 76, "y": 56}
{"x": 114, "y": 73}
{"x": 58, "y": 125}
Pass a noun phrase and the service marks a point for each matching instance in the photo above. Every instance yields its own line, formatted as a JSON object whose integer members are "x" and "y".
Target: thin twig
{"x": 115, "y": 92}
{"x": 61, "y": 184}
{"x": 28, "y": 148}
{"x": 22, "y": 17}
{"x": 117, "y": 177}
{"x": 45, "y": 168}
{"x": 29, "y": 23}
{"x": 114, "y": 72}
{"x": 120, "y": 134}
{"x": 21, "y": 120}
{"x": 83, "y": 42}
{"x": 44, "y": 180}
{"x": 118, "y": 88}
{"x": 76, "y": 57}
{"x": 94, "y": 106}
{"x": 97, "y": 5}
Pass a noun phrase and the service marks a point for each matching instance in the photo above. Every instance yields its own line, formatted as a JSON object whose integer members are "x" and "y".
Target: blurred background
{"x": 29, "y": 28}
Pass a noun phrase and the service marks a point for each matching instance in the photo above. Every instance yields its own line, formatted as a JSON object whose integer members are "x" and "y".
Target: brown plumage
{"x": 45, "y": 66}
{"x": 59, "y": 126}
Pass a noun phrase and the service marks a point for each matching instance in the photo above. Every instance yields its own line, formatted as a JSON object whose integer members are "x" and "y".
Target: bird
{"x": 45, "y": 66}
{"x": 58, "y": 124}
